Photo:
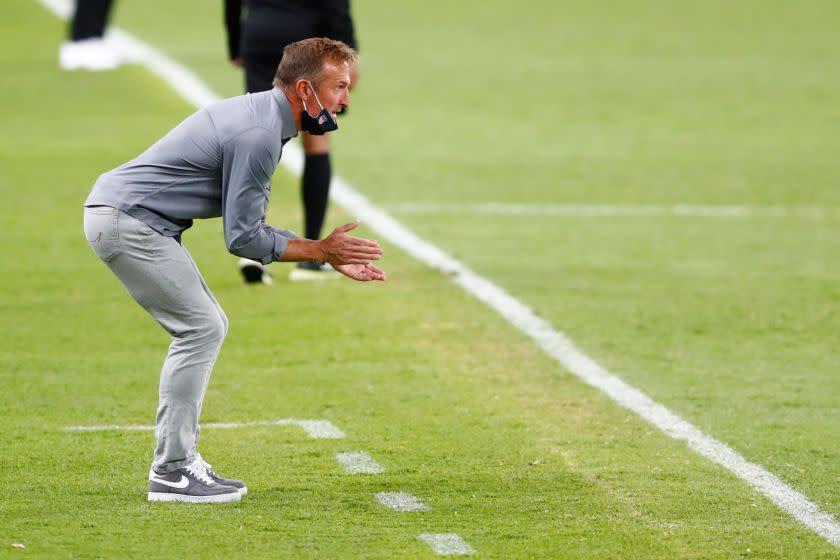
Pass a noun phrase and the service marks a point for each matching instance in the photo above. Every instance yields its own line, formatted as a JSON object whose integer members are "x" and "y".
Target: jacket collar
{"x": 288, "y": 130}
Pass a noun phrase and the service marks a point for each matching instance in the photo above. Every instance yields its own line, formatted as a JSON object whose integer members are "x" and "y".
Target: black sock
{"x": 90, "y": 19}
{"x": 315, "y": 191}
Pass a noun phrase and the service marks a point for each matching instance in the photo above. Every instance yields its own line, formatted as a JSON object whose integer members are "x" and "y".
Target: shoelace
{"x": 207, "y": 466}
{"x": 198, "y": 469}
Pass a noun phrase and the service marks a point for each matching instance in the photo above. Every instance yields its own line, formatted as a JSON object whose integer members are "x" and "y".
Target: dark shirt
{"x": 267, "y": 26}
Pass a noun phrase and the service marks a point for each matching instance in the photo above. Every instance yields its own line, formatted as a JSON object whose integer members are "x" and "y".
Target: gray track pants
{"x": 161, "y": 276}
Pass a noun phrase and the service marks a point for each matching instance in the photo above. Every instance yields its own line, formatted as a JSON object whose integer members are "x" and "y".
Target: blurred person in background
{"x": 86, "y": 47}
{"x": 217, "y": 163}
{"x": 257, "y": 32}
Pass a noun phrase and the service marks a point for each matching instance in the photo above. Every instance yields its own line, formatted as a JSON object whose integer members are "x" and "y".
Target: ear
{"x": 302, "y": 89}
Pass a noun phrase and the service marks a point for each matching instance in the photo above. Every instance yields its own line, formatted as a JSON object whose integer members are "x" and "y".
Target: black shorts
{"x": 260, "y": 70}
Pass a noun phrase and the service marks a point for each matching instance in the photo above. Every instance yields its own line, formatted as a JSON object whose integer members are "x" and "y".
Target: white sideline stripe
{"x": 316, "y": 429}
{"x": 446, "y": 544}
{"x": 400, "y": 501}
{"x": 555, "y": 343}
{"x": 358, "y": 463}
{"x": 614, "y": 210}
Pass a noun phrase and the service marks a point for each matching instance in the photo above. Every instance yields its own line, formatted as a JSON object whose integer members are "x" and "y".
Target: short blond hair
{"x": 305, "y": 60}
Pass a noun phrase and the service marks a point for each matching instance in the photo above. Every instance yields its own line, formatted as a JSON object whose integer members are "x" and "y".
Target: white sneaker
{"x": 128, "y": 53}
{"x": 88, "y": 54}
{"x": 313, "y": 271}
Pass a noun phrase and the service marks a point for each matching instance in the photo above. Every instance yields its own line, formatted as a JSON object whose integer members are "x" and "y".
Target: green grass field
{"x": 733, "y": 323}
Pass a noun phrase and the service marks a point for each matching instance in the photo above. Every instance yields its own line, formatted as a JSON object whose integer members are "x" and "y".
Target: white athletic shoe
{"x": 93, "y": 54}
{"x": 313, "y": 271}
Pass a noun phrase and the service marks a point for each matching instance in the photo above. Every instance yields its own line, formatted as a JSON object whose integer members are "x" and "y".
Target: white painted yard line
{"x": 319, "y": 429}
{"x": 614, "y": 210}
{"x": 401, "y": 501}
{"x": 359, "y": 463}
{"x": 555, "y": 343}
{"x": 447, "y": 544}
{"x": 315, "y": 429}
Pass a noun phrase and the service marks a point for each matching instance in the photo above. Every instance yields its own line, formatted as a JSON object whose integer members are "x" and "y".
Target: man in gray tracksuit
{"x": 217, "y": 162}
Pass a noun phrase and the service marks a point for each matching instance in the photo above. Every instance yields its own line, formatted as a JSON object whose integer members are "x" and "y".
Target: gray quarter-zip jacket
{"x": 217, "y": 162}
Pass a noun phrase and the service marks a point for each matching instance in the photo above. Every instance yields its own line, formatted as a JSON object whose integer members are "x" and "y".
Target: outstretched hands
{"x": 347, "y": 254}
{"x": 361, "y": 272}
{"x": 352, "y": 255}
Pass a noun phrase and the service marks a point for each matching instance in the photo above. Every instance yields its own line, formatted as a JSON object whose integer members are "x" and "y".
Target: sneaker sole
{"x": 215, "y": 499}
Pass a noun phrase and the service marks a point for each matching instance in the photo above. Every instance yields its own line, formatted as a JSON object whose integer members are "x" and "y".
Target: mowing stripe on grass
{"x": 359, "y": 463}
{"x": 401, "y": 501}
{"x": 554, "y": 343}
{"x": 447, "y": 544}
{"x": 316, "y": 429}
{"x": 615, "y": 210}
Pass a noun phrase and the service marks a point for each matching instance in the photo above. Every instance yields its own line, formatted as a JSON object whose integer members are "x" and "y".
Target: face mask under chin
{"x": 321, "y": 123}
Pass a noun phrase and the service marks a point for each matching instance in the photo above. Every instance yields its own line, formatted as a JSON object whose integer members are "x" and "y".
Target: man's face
{"x": 334, "y": 90}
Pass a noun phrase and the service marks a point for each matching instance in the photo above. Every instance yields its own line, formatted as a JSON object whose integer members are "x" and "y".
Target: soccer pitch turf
{"x": 543, "y": 144}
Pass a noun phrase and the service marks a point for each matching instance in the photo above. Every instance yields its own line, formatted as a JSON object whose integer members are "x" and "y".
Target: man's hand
{"x": 361, "y": 272}
{"x": 350, "y": 256}
{"x": 340, "y": 248}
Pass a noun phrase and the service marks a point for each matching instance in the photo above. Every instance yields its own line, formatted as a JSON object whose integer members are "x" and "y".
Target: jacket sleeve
{"x": 249, "y": 160}
{"x": 285, "y": 233}
{"x": 339, "y": 22}
{"x": 233, "y": 14}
